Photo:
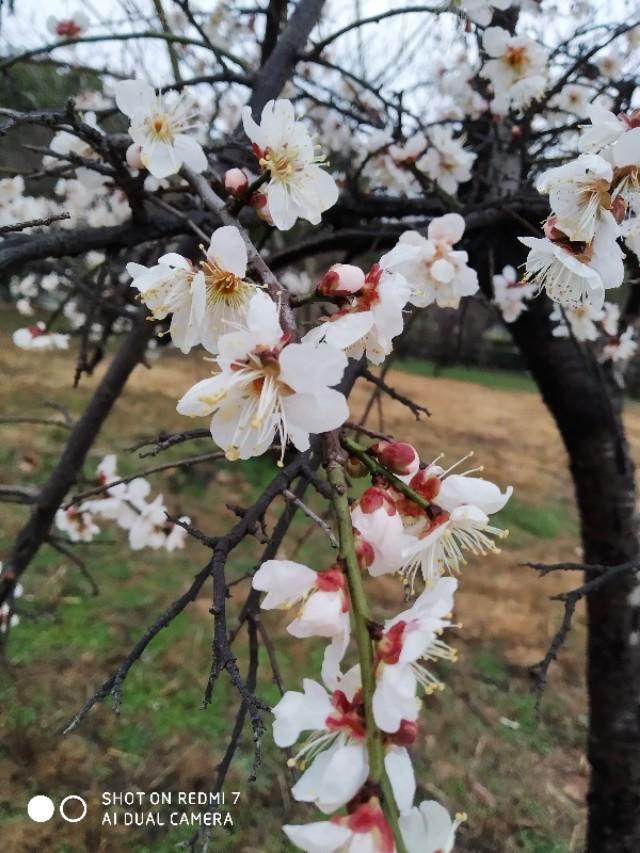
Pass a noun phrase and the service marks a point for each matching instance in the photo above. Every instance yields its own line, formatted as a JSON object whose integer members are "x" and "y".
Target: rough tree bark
{"x": 587, "y": 405}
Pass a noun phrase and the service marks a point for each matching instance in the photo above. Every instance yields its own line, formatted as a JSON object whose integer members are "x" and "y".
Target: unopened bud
{"x": 341, "y": 280}
{"x": 259, "y": 202}
{"x": 375, "y": 498}
{"x": 551, "y": 231}
{"x": 364, "y": 551}
{"x": 355, "y": 467}
{"x": 134, "y": 156}
{"x": 426, "y": 484}
{"x": 236, "y": 182}
{"x": 398, "y": 456}
{"x": 619, "y": 209}
{"x": 405, "y": 735}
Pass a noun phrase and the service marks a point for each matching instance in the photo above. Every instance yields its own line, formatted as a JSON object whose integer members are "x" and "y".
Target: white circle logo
{"x": 73, "y": 819}
{"x": 40, "y": 808}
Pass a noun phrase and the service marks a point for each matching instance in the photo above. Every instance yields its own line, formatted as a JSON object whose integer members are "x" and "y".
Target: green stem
{"x": 362, "y": 618}
{"x": 374, "y": 467}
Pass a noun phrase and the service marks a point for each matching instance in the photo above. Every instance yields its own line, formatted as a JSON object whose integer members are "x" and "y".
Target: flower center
{"x": 224, "y": 286}
{"x": 516, "y": 58}
{"x": 279, "y": 164}
{"x": 160, "y": 128}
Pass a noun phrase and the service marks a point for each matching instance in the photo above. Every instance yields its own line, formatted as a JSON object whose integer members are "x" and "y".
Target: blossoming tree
{"x": 192, "y": 194}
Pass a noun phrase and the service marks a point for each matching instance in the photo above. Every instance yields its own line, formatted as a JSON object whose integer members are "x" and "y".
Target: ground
{"x": 520, "y": 775}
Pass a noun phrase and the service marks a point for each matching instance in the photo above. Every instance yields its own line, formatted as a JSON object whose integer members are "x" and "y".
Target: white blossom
{"x": 268, "y": 387}
{"x": 160, "y": 125}
{"x": 510, "y": 294}
{"x": 435, "y": 271}
{"x": 428, "y": 828}
{"x": 298, "y": 188}
{"x": 516, "y": 70}
{"x": 447, "y": 161}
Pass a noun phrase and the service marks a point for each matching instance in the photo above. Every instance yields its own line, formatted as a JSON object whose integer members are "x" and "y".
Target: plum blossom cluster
{"x": 412, "y": 517}
{"x": 146, "y": 521}
{"x": 593, "y": 201}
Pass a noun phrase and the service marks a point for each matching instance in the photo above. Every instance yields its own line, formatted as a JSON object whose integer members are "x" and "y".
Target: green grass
{"x": 491, "y": 378}
{"x": 547, "y": 521}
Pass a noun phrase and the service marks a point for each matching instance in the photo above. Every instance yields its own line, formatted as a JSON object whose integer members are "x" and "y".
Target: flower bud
{"x": 375, "y": 498}
{"x": 341, "y": 280}
{"x": 398, "y": 456}
{"x": 236, "y": 182}
{"x": 364, "y": 551}
{"x": 426, "y": 483}
{"x": 406, "y": 734}
{"x": 133, "y": 155}
{"x": 355, "y": 467}
{"x": 259, "y": 202}
{"x": 619, "y": 209}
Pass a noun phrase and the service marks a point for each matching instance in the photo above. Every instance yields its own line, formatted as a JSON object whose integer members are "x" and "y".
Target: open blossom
{"x": 509, "y": 294}
{"x": 621, "y": 347}
{"x": 65, "y": 143}
{"x": 334, "y": 755}
{"x": 152, "y": 529}
{"x": 380, "y": 526}
{"x": 516, "y": 69}
{"x": 407, "y": 643}
{"x": 579, "y": 194}
{"x": 68, "y": 28}
{"x": 580, "y": 322}
{"x": 369, "y": 323}
{"x": 458, "y": 521}
{"x": 572, "y": 98}
{"x": 447, "y": 161}
{"x": 480, "y": 12}
{"x": 298, "y": 188}
{"x": 428, "y": 828}
{"x": 206, "y": 303}
{"x": 268, "y": 387}
{"x": 77, "y": 523}
{"x": 39, "y": 339}
{"x": 364, "y": 830}
{"x": 626, "y": 160}
{"x": 604, "y": 130}
{"x": 160, "y": 125}
{"x": 165, "y": 288}
{"x": 221, "y": 295}
{"x": 435, "y": 271}
{"x": 572, "y": 273}
{"x": 323, "y": 604}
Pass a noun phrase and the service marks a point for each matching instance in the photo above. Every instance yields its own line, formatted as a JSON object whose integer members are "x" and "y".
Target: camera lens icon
{"x": 41, "y": 808}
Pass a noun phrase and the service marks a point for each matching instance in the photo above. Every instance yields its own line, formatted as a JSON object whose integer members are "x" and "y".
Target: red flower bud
{"x": 236, "y": 182}
{"x": 398, "y": 456}
{"x": 341, "y": 280}
{"x": 426, "y": 484}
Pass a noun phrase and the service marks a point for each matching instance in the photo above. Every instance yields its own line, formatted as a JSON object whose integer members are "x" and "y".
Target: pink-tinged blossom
{"x": 38, "y": 339}
{"x": 77, "y": 523}
{"x": 342, "y": 280}
{"x": 160, "y": 124}
{"x": 435, "y": 271}
{"x": 298, "y": 188}
{"x": 268, "y": 387}
{"x": 365, "y": 830}
{"x": 69, "y": 28}
{"x": 428, "y": 828}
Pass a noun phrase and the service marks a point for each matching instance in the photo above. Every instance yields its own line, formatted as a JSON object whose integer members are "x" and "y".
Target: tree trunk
{"x": 587, "y": 403}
